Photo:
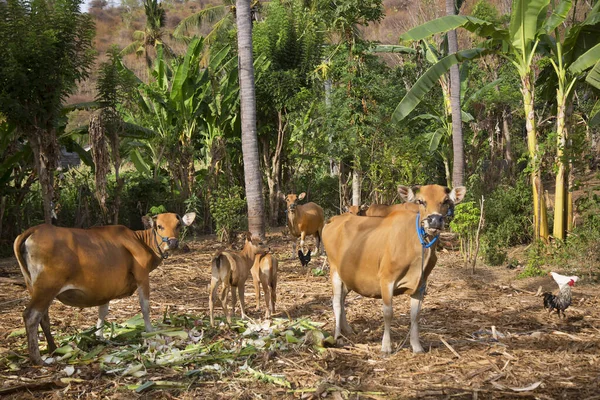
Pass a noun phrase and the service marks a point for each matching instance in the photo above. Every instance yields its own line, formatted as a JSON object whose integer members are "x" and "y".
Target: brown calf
{"x": 87, "y": 268}
{"x": 302, "y": 220}
{"x": 264, "y": 271}
{"x": 232, "y": 269}
{"x": 356, "y": 210}
{"x": 384, "y": 257}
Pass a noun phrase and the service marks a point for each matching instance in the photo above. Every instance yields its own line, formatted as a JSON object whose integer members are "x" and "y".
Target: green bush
{"x": 507, "y": 217}
{"x": 227, "y": 208}
{"x": 465, "y": 223}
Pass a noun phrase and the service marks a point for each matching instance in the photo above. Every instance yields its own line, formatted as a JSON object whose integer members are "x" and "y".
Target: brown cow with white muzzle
{"x": 91, "y": 267}
{"x": 304, "y": 219}
{"x": 384, "y": 257}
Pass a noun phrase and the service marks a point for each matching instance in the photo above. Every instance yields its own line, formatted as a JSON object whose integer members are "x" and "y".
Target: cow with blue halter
{"x": 385, "y": 257}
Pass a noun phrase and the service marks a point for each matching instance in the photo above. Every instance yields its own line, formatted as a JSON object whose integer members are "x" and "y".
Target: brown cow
{"x": 91, "y": 267}
{"x": 383, "y": 257}
{"x": 232, "y": 268}
{"x": 302, "y": 220}
{"x": 264, "y": 272}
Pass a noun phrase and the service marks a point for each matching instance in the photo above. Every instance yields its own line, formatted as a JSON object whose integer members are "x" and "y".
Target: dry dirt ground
{"x": 486, "y": 335}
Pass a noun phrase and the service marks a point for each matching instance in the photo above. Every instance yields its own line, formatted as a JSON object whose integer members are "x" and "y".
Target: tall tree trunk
{"x": 507, "y": 142}
{"x": 45, "y": 153}
{"x": 539, "y": 207}
{"x": 356, "y": 184}
{"x": 458, "y": 165}
{"x": 252, "y": 175}
{"x": 559, "y": 192}
{"x": 273, "y": 168}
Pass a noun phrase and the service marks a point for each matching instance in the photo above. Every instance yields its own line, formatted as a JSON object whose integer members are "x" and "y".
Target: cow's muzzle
{"x": 173, "y": 243}
{"x": 434, "y": 222}
{"x": 292, "y": 207}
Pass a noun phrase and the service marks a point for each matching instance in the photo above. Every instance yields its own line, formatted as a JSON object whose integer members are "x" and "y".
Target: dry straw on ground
{"x": 487, "y": 337}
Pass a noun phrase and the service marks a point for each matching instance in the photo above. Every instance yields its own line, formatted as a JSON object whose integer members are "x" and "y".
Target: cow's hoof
{"x": 418, "y": 350}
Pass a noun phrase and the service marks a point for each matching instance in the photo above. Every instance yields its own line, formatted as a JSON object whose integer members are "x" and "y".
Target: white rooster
{"x": 562, "y": 300}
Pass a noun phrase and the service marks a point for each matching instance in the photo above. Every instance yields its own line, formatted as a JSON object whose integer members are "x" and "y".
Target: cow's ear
{"x": 406, "y": 193}
{"x": 281, "y": 196}
{"x": 301, "y": 196}
{"x": 458, "y": 194}
{"x": 345, "y": 209}
{"x": 364, "y": 207}
{"x": 188, "y": 218}
{"x": 148, "y": 222}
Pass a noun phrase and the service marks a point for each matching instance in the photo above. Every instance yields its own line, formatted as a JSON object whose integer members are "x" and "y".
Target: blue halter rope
{"x": 423, "y": 235}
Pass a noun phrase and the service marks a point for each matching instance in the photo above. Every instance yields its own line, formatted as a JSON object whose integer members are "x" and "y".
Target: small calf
{"x": 357, "y": 210}
{"x": 232, "y": 269}
{"x": 264, "y": 271}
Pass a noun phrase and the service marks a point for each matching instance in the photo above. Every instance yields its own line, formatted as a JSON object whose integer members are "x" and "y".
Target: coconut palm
{"x": 252, "y": 175}
{"x": 152, "y": 35}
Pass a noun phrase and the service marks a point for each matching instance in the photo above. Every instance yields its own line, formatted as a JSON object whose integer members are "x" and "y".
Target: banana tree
{"x": 570, "y": 59}
{"x": 518, "y": 45}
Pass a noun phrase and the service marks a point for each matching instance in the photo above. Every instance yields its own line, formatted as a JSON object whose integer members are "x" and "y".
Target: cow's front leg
{"x": 339, "y": 310}
{"x": 144, "y": 294}
{"x": 102, "y": 313}
{"x": 387, "y": 292}
{"x": 294, "y": 254}
{"x": 415, "y": 308}
{"x": 302, "y": 237}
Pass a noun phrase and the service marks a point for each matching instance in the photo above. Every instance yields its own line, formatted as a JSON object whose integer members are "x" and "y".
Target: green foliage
{"x": 155, "y": 210}
{"x": 46, "y": 50}
{"x": 507, "y": 222}
{"x": 227, "y": 208}
{"x": 465, "y": 223}
{"x": 535, "y": 258}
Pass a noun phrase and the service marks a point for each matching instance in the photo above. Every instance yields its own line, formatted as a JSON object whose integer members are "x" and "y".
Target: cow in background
{"x": 304, "y": 219}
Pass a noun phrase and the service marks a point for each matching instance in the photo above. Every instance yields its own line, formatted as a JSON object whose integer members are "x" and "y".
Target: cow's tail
{"x": 20, "y": 251}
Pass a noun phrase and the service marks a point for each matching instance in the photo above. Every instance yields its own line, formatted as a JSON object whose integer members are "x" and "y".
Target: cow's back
{"x": 382, "y": 210}
{"x": 312, "y": 218}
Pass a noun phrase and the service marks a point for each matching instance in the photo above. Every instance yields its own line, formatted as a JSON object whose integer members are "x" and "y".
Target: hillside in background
{"x": 116, "y": 24}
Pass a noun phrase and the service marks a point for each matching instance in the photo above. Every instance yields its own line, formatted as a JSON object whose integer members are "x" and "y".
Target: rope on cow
{"x": 163, "y": 255}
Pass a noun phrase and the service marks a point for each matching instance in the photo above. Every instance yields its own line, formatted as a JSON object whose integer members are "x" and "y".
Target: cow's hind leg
{"x": 256, "y": 282}
{"x": 241, "y": 289}
{"x": 45, "y": 322}
{"x": 415, "y": 308}
{"x": 212, "y": 292}
{"x": 102, "y": 313}
{"x": 268, "y": 297}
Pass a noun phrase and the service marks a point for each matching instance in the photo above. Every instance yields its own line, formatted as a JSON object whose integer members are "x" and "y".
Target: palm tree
{"x": 152, "y": 35}
{"x": 458, "y": 166}
{"x": 252, "y": 175}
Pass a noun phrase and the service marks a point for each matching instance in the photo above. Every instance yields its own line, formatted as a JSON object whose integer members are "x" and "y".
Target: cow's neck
{"x": 248, "y": 253}
{"x": 148, "y": 237}
{"x": 292, "y": 222}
